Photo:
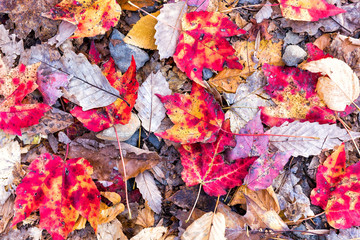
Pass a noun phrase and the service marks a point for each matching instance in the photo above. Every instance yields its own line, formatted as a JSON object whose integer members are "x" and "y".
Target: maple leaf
{"x": 92, "y": 17}
{"x": 203, "y": 164}
{"x": 293, "y": 90}
{"x": 61, "y": 191}
{"x": 197, "y": 117}
{"x": 203, "y": 44}
{"x": 118, "y": 112}
{"x": 14, "y": 86}
{"x": 308, "y": 10}
{"x": 337, "y": 190}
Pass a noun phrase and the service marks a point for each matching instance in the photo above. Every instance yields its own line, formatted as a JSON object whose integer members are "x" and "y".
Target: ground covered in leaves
{"x": 207, "y": 119}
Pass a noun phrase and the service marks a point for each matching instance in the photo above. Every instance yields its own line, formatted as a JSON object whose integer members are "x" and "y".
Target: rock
{"x": 121, "y": 52}
{"x": 207, "y": 73}
{"x": 293, "y": 55}
{"x": 292, "y": 38}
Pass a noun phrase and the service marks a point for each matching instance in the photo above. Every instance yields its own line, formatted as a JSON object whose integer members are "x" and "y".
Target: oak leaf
{"x": 204, "y": 164}
{"x": 61, "y": 190}
{"x": 308, "y": 10}
{"x": 92, "y": 17}
{"x": 203, "y": 44}
{"x": 14, "y": 86}
{"x": 337, "y": 190}
{"x": 197, "y": 117}
{"x": 118, "y": 112}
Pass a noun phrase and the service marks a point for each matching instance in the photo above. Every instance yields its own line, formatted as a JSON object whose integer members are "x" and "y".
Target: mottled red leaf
{"x": 203, "y": 44}
{"x": 203, "y": 164}
{"x": 338, "y": 190}
{"x": 94, "y": 54}
{"x": 315, "y": 53}
{"x": 197, "y": 117}
{"x": 14, "y": 86}
{"x": 265, "y": 169}
{"x": 293, "y": 90}
{"x": 61, "y": 191}
{"x": 308, "y": 10}
{"x": 118, "y": 112}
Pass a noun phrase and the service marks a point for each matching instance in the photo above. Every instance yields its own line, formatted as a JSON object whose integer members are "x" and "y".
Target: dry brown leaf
{"x": 221, "y": 5}
{"x": 140, "y": 3}
{"x": 154, "y": 233}
{"x": 111, "y": 230}
{"x": 209, "y": 227}
{"x": 227, "y": 80}
{"x": 142, "y": 33}
{"x": 6, "y": 213}
{"x": 145, "y": 217}
{"x": 339, "y": 85}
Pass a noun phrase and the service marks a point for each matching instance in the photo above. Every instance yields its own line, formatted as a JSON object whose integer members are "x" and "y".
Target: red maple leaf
{"x": 203, "y": 44}
{"x": 14, "y": 86}
{"x": 118, "y": 112}
{"x": 61, "y": 191}
{"x": 338, "y": 190}
{"x": 197, "y": 117}
{"x": 203, "y": 164}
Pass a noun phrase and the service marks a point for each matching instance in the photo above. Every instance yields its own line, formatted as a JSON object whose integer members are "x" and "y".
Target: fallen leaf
{"x": 197, "y": 117}
{"x": 6, "y": 212}
{"x": 107, "y": 214}
{"x": 221, "y": 5}
{"x": 148, "y": 189}
{"x": 210, "y": 226}
{"x": 328, "y": 136}
{"x": 264, "y": 12}
{"x": 61, "y": 190}
{"x": 203, "y": 44}
{"x": 203, "y": 164}
{"x": 308, "y": 10}
{"x": 257, "y": 32}
{"x": 91, "y": 17}
{"x": 93, "y": 90}
{"x": 201, "y": 5}
{"x": 111, "y": 230}
{"x": 344, "y": 234}
{"x": 339, "y": 85}
{"x": 65, "y": 30}
{"x": 145, "y": 217}
{"x": 154, "y": 233}
{"x": 150, "y": 109}
{"x": 14, "y": 86}
{"x": 168, "y": 28}
{"x": 293, "y": 90}
{"x": 337, "y": 190}
{"x": 9, "y": 46}
{"x": 142, "y": 33}
{"x": 227, "y": 80}
{"x": 140, "y": 3}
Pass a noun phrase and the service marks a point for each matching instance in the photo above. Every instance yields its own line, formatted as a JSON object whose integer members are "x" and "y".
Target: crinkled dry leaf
{"x": 168, "y": 28}
{"x": 65, "y": 30}
{"x": 208, "y": 227}
{"x": 142, "y": 33}
{"x": 110, "y": 231}
{"x": 145, "y": 217}
{"x": 86, "y": 95}
{"x": 339, "y": 86}
{"x": 150, "y": 109}
{"x": 9, "y": 46}
{"x": 148, "y": 189}
{"x": 227, "y": 80}
{"x": 264, "y": 13}
{"x": 154, "y": 233}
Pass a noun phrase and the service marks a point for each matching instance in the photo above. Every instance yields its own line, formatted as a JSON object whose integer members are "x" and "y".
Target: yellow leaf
{"x": 227, "y": 80}
{"x": 142, "y": 33}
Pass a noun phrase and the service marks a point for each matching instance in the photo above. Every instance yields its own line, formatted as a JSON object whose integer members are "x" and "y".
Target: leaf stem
{"x": 124, "y": 170}
{"x": 193, "y": 208}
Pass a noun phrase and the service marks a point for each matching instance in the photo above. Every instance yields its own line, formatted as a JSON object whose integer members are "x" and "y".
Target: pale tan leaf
{"x": 148, "y": 189}
{"x": 142, "y": 33}
{"x": 150, "y": 109}
{"x": 111, "y": 231}
{"x": 264, "y": 13}
{"x": 208, "y": 227}
{"x": 145, "y": 217}
{"x": 339, "y": 86}
{"x": 96, "y": 91}
{"x": 9, "y": 46}
{"x": 168, "y": 28}
{"x": 154, "y": 233}
{"x": 65, "y": 30}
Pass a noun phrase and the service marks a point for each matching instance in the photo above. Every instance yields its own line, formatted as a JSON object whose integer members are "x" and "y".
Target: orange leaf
{"x": 197, "y": 117}
{"x": 308, "y": 10}
{"x": 203, "y": 44}
{"x": 61, "y": 191}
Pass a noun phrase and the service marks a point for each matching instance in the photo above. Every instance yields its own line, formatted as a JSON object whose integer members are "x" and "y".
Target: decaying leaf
{"x": 168, "y": 28}
{"x": 153, "y": 233}
{"x": 147, "y": 186}
{"x": 111, "y": 230}
{"x": 308, "y": 10}
{"x": 328, "y": 136}
{"x": 145, "y": 217}
{"x": 339, "y": 85}
{"x": 203, "y": 44}
{"x": 142, "y": 33}
{"x": 264, "y": 13}
{"x": 65, "y": 30}
{"x": 210, "y": 226}
{"x": 197, "y": 117}
{"x": 99, "y": 94}
{"x": 61, "y": 190}
{"x": 150, "y": 109}
{"x": 9, "y": 46}
{"x": 92, "y": 17}
{"x": 337, "y": 190}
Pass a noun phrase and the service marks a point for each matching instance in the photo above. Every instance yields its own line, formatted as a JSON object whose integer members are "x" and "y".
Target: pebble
{"x": 207, "y": 73}
{"x": 122, "y": 52}
{"x": 293, "y": 55}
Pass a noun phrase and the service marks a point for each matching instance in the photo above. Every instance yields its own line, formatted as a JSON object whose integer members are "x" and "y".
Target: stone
{"x": 293, "y": 55}
{"x": 292, "y": 38}
{"x": 207, "y": 73}
{"x": 121, "y": 52}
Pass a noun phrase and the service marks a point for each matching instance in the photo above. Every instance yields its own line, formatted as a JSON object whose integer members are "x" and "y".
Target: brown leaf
{"x": 145, "y": 217}
{"x": 140, "y": 3}
{"x": 227, "y": 80}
